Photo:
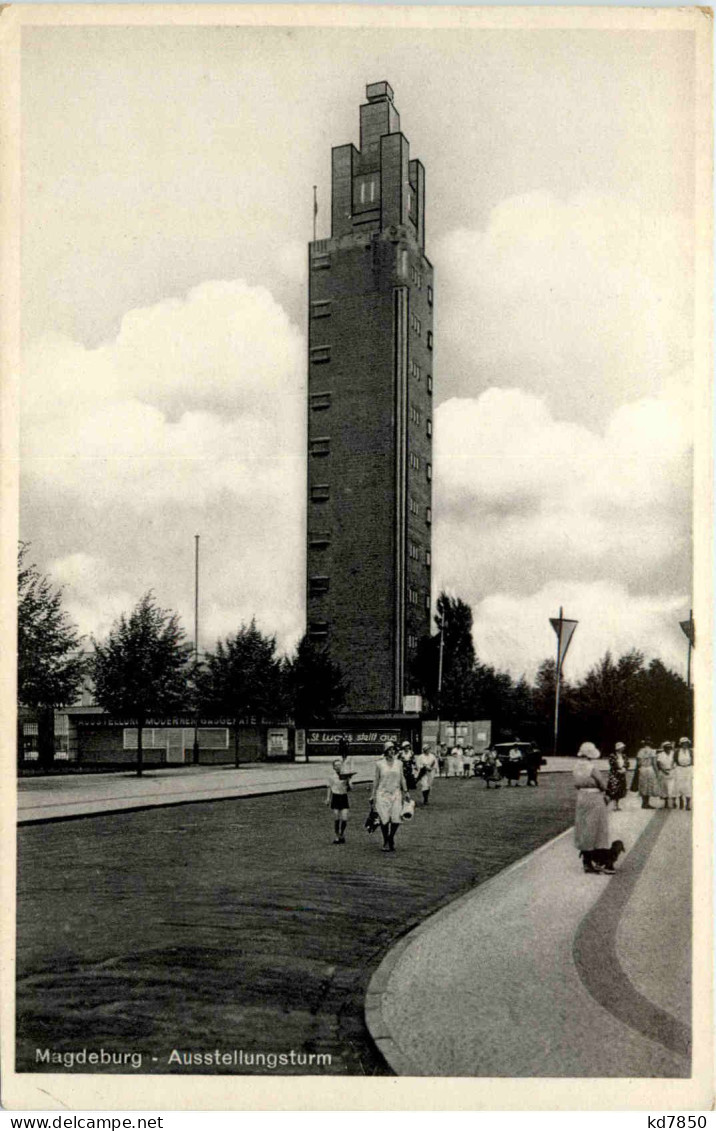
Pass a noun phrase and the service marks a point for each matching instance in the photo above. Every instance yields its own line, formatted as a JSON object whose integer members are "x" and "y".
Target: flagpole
{"x": 440, "y": 668}
{"x": 688, "y": 654}
{"x": 558, "y": 681}
{"x": 315, "y": 212}
{"x": 196, "y": 640}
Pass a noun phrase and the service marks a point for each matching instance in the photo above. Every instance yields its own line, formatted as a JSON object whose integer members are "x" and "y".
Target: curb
{"x": 377, "y": 1026}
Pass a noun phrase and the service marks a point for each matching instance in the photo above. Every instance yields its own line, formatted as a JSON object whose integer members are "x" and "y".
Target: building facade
{"x": 370, "y": 415}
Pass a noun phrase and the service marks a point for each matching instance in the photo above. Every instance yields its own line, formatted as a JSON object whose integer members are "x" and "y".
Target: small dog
{"x": 605, "y": 858}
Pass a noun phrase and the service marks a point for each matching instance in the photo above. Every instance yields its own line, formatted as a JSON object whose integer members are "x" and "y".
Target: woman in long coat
{"x": 617, "y": 782}
{"x": 389, "y": 792}
{"x": 683, "y": 772}
{"x": 646, "y": 769}
{"x": 591, "y": 820}
{"x": 427, "y": 765}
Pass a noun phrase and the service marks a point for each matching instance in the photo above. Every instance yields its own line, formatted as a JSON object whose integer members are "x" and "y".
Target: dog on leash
{"x": 605, "y": 858}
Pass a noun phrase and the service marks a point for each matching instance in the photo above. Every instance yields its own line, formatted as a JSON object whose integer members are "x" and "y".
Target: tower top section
{"x": 377, "y": 186}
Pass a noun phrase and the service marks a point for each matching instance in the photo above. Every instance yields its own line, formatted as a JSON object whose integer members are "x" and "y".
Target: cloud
{"x": 191, "y": 421}
{"x": 530, "y": 509}
{"x": 584, "y": 301}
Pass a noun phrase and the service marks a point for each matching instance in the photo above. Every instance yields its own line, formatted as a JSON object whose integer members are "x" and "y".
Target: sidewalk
{"x": 545, "y": 971}
{"x": 55, "y": 798}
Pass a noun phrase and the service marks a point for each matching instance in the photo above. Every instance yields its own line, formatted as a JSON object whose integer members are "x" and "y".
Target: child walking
{"x": 337, "y": 800}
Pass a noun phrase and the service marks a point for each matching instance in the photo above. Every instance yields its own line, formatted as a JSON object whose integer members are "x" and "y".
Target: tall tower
{"x": 370, "y": 398}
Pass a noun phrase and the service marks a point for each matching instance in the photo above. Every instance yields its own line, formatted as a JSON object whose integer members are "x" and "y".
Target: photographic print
{"x": 357, "y": 544}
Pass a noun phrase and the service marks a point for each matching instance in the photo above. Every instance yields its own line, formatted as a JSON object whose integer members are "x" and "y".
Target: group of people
{"x": 397, "y": 772}
{"x": 664, "y": 772}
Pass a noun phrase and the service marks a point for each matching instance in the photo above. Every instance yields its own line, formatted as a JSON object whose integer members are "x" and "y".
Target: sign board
{"x": 412, "y": 704}
{"x": 277, "y": 742}
{"x": 476, "y": 733}
{"x": 357, "y": 738}
{"x": 300, "y": 746}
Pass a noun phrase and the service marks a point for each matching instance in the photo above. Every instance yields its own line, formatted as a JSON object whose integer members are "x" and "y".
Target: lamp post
{"x": 196, "y": 642}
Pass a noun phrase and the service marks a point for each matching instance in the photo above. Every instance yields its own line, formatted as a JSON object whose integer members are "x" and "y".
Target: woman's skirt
{"x": 667, "y": 785}
{"x": 339, "y": 801}
{"x": 591, "y": 822}
{"x": 648, "y": 783}
{"x": 425, "y": 780}
{"x": 683, "y": 776}
{"x": 388, "y": 806}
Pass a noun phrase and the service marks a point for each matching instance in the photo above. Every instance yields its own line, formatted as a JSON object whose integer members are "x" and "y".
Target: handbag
{"x": 408, "y": 811}
{"x": 372, "y": 821}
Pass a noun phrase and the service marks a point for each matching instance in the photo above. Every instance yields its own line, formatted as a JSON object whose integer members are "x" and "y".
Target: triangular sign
{"x": 689, "y": 630}
{"x": 565, "y": 631}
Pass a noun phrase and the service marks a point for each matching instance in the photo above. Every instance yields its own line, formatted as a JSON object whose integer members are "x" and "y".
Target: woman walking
{"x": 617, "y": 781}
{"x": 427, "y": 765}
{"x": 646, "y": 770}
{"x": 665, "y": 774}
{"x": 591, "y": 821}
{"x": 683, "y": 773}
{"x": 389, "y": 793}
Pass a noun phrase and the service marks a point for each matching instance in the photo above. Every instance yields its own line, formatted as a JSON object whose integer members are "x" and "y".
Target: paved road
{"x": 59, "y": 797}
{"x": 239, "y": 924}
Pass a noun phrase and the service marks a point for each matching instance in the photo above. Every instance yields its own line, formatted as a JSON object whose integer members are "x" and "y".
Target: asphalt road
{"x": 238, "y": 924}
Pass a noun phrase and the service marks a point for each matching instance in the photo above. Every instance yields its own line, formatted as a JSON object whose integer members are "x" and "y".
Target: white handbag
{"x": 408, "y": 811}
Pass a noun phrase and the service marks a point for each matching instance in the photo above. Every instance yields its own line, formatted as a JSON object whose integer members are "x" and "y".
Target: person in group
{"x": 337, "y": 800}
{"x": 442, "y": 760}
{"x": 493, "y": 773}
{"x": 683, "y": 773}
{"x": 591, "y": 821}
{"x": 388, "y": 794}
{"x": 513, "y": 766}
{"x": 345, "y": 756}
{"x": 407, "y": 759}
{"x": 427, "y": 765}
{"x": 617, "y": 780}
{"x": 648, "y": 784}
{"x": 665, "y": 774}
{"x": 468, "y": 758}
{"x": 533, "y": 761}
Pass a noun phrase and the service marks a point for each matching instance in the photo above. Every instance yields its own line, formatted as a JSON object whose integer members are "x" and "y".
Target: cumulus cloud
{"x": 585, "y": 301}
{"x": 521, "y": 497}
{"x": 191, "y": 421}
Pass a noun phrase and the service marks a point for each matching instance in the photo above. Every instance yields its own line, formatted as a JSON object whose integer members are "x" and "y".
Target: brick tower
{"x": 370, "y": 398}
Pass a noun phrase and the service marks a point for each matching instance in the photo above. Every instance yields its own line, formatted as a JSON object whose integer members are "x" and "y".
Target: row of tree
{"x": 624, "y": 699}
{"x": 146, "y": 667}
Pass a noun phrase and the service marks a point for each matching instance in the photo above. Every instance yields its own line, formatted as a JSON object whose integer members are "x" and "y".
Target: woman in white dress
{"x": 389, "y": 793}
{"x": 591, "y": 821}
{"x": 683, "y": 772}
{"x": 665, "y": 773}
{"x": 427, "y": 767}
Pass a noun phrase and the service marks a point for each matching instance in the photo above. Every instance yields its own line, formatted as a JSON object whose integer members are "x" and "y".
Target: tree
{"x": 50, "y": 665}
{"x": 142, "y": 667}
{"x": 316, "y": 685}
{"x": 665, "y": 705}
{"x": 608, "y": 702}
{"x": 242, "y": 678}
{"x": 454, "y": 619}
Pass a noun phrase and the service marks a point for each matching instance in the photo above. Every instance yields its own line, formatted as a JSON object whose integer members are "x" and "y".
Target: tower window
{"x": 428, "y": 515}
{"x": 320, "y": 262}
{"x": 319, "y": 539}
{"x": 320, "y": 308}
{"x": 414, "y": 551}
{"x": 429, "y": 427}
{"x": 430, "y": 384}
{"x": 320, "y": 446}
{"x": 320, "y": 354}
{"x": 415, "y": 461}
{"x": 318, "y": 628}
{"x": 415, "y": 370}
{"x": 414, "y": 508}
{"x": 366, "y": 189}
{"x": 412, "y": 641}
{"x": 429, "y": 470}
{"x": 320, "y": 492}
{"x": 427, "y": 601}
{"x": 430, "y": 339}
{"x": 317, "y": 585}
{"x": 413, "y": 596}
{"x": 428, "y": 557}
{"x": 430, "y": 295}
{"x": 415, "y": 414}
{"x": 416, "y": 323}
{"x": 320, "y": 400}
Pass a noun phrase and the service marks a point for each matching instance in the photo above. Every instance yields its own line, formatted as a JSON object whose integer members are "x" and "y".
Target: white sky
{"x": 167, "y": 188}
